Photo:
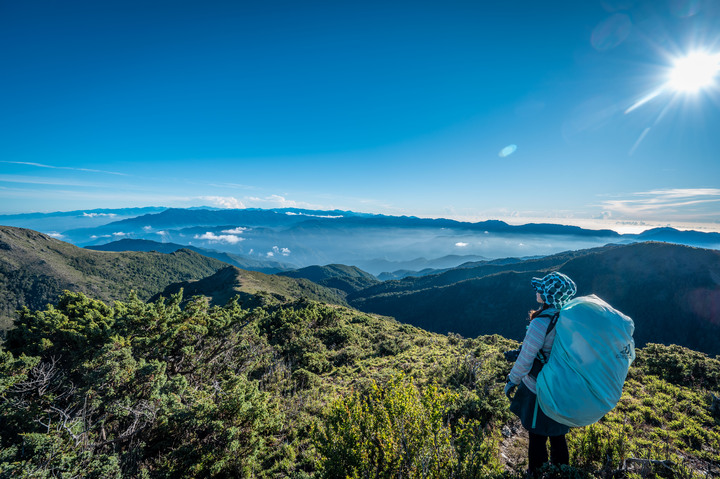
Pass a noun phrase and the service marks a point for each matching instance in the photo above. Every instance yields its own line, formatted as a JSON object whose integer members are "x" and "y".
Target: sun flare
{"x": 694, "y": 72}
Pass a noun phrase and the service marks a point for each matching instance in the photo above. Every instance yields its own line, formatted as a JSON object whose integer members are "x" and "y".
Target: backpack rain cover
{"x": 589, "y": 362}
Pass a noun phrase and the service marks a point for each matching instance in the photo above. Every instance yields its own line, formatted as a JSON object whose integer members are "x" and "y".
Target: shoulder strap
{"x": 553, "y": 321}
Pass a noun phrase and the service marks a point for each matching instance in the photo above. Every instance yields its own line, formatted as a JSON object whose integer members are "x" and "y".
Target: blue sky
{"x": 513, "y": 110}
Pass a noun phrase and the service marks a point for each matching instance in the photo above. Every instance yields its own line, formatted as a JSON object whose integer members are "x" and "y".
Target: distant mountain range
{"x": 60, "y": 221}
{"x": 389, "y": 247}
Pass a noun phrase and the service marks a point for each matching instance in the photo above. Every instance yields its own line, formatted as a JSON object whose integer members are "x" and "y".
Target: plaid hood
{"x": 555, "y": 289}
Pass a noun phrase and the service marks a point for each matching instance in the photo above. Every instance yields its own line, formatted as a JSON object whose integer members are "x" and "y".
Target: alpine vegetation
{"x": 176, "y": 388}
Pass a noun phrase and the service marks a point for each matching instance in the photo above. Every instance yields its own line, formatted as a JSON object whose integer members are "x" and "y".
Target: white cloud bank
{"x": 213, "y": 238}
{"x": 236, "y": 231}
{"x": 267, "y": 202}
{"x": 98, "y": 215}
{"x": 274, "y": 201}
{"x": 228, "y": 202}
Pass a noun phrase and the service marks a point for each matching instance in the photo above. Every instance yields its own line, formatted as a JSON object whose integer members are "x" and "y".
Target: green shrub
{"x": 398, "y": 430}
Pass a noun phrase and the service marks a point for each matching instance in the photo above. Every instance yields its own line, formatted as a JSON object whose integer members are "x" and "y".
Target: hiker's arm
{"x": 534, "y": 339}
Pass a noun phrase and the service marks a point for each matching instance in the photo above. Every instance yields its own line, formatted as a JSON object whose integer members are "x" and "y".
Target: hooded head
{"x": 555, "y": 289}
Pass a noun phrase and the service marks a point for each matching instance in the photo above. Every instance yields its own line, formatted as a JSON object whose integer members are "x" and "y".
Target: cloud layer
{"x": 213, "y": 238}
{"x": 698, "y": 204}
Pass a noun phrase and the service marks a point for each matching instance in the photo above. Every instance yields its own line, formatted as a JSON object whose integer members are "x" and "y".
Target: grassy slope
{"x": 231, "y": 281}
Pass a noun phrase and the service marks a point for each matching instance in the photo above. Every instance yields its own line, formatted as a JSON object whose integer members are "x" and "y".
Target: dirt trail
{"x": 513, "y": 448}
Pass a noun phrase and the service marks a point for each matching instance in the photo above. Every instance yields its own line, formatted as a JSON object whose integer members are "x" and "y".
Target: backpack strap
{"x": 553, "y": 321}
{"x": 541, "y": 359}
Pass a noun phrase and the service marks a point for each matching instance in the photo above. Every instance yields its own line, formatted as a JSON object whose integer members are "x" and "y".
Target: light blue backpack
{"x": 592, "y": 352}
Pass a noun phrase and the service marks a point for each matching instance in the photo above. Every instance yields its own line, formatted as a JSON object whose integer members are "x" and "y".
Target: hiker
{"x": 552, "y": 292}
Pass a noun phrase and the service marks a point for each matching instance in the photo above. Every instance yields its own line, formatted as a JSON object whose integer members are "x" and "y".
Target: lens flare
{"x": 507, "y": 151}
{"x": 611, "y": 33}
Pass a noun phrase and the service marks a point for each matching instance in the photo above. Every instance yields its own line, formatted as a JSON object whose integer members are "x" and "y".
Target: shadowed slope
{"x": 672, "y": 292}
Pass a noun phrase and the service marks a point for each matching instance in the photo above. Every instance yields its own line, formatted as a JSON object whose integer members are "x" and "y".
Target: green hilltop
{"x": 252, "y": 288}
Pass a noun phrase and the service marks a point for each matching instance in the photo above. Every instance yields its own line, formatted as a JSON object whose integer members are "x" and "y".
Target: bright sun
{"x": 694, "y": 72}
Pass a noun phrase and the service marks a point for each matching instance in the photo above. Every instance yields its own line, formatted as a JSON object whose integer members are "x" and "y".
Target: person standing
{"x": 552, "y": 292}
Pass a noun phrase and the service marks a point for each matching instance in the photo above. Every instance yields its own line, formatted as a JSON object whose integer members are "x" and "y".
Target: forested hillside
{"x": 347, "y": 279}
{"x": 302, "y": 389}
{"x": 672, "y": 292}
{"x": 35, "y": 269}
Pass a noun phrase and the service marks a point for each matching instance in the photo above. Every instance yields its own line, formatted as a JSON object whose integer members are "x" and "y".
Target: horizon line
{"x": 619, "y": 226}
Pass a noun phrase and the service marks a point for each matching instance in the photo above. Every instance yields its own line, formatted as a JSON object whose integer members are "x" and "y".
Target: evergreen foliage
{"x": 177, "y": 388}
{"x": 400, "y": 430}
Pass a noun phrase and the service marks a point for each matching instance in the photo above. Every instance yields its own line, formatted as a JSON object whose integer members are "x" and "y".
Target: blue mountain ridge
{"x": 373, "y": 242}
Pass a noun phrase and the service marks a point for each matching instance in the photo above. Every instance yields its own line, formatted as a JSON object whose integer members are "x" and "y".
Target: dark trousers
{"x": 537, "y": 451}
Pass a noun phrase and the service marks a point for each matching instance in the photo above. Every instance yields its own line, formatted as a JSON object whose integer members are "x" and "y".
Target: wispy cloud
{"x": 672, "y": 204}
{"x": 41, "y": 165}
{"x": 37, "y": 180}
